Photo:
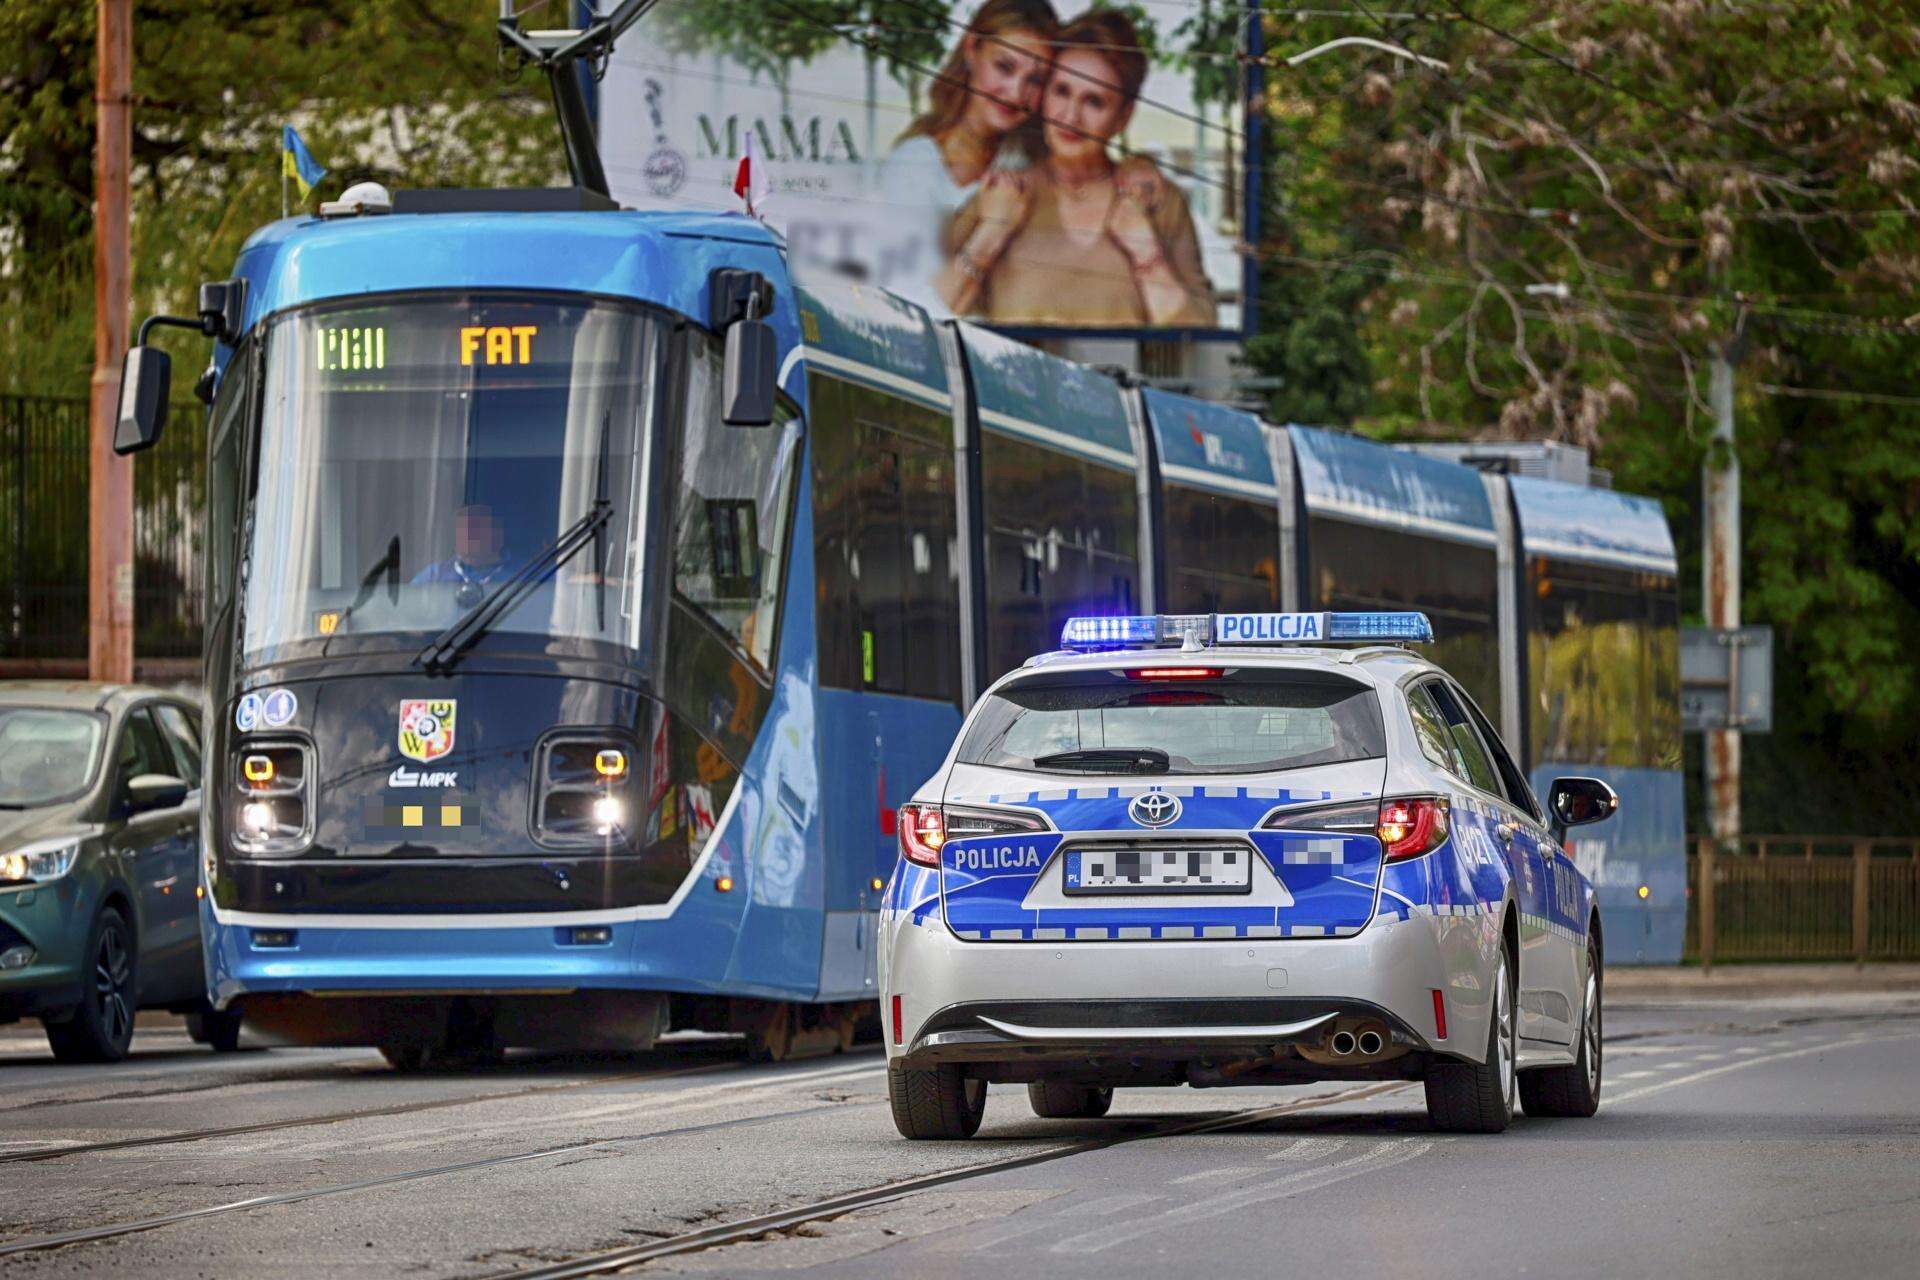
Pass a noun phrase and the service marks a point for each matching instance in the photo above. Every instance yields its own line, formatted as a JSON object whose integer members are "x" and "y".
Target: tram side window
{"x": 731, "y": 514}
{"x": 1223, "y": 554}
{"x": 1062, "y": 539}
{"x": 1602, "y": 666}
{"x": 1360, "y": 566}
{"x": 887, "y": 602}
{"x": 223, "y": 479}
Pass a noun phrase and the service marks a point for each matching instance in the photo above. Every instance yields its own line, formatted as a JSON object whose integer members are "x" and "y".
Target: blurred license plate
{"x": 1168, "y": 869}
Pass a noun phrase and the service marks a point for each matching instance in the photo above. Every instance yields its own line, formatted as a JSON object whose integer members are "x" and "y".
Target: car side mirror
{"x": 146, "y": 379}
{"x": 151, "y": 791}
{"x": 1574, "y": 802}
{"x": 749, "y": 374}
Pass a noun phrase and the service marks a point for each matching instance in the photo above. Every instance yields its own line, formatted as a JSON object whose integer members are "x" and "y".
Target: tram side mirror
{"x": 1578, "y": 801}
{"x": 146, "y": 379}
{"x": 749, "y": 374}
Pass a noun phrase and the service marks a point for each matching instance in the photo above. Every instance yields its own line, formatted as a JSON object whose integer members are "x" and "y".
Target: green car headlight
{"x": 35, "y": 863}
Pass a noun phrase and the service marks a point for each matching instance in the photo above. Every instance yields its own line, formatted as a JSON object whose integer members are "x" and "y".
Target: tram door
{"x": 887, "y": 608}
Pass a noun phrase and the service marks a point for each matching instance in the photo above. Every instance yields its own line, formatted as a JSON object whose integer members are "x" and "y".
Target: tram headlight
{"x": 270, "y": 779}
{"x": 609, "y": 813}
{"x": 586, "y": 794}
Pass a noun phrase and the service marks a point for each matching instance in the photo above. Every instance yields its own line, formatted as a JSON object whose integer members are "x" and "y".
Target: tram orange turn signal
{"x": 257, "y": 768}
{"x": 1412, "y": 825}
{"x": 610, "y": 763}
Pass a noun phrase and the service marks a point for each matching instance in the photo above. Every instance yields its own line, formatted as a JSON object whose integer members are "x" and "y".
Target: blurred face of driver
{"x": 477, "y": 536}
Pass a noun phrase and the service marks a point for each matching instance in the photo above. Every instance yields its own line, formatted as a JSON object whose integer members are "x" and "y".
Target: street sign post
{"x": 1726, "y": 679}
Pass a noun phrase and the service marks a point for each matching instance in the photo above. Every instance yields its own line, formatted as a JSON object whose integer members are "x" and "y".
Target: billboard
{"x": 1036, "y": 166}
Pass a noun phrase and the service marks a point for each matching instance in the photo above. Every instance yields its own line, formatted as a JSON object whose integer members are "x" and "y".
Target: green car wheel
{"x": 101, "y": 1028}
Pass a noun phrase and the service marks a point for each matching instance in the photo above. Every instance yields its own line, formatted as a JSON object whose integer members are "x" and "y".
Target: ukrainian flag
{"x": 297, "y": 162}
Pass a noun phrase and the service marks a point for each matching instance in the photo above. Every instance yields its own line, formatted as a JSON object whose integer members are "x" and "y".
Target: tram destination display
{"x": 1024, "y": 163}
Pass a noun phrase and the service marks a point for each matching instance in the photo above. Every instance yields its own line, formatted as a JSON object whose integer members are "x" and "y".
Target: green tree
{"x": 407, "y": 91}
{"x": 1560, "y": 231}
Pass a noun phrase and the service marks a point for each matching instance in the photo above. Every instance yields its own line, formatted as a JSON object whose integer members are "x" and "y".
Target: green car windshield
{"x": 47, "y": 756}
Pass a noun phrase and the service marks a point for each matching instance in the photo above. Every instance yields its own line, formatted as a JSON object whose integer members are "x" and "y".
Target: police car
{"x": 1237, "y": 849}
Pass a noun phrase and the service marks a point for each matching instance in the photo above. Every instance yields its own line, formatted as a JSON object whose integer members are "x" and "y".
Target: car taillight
{"x": 924, "y": 829}
{"x": 1175, "y": 673}
{"x": 1412, "y": 825}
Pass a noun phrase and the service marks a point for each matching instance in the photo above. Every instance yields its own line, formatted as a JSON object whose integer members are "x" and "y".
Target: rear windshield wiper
{"x": 1135, "y": 759}
{"x": 446, "y": 648}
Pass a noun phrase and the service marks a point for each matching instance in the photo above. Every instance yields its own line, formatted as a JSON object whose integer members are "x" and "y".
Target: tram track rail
{"x": 744, "y": 1229}
{"x": 109, "y": 1231}
{"x": 40, "y": 1154}
{"x": 709, "y": 1237}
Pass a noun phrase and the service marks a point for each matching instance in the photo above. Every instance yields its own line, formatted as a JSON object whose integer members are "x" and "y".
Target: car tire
{"x": 1572, "y": 1091}
{"x": 101, "y": 1028}
{"x": 936, "y": 1102}
{"x": 1464, "y": 1097}
{"x": 217, "y": 1030}
{"x": 1068, "y": 1100}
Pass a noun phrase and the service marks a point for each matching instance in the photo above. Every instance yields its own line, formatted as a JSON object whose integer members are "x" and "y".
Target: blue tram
{"x": 550, "y": 708}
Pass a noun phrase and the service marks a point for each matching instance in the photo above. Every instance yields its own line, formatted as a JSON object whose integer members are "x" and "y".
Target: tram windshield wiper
{"x": 1134, "y": 759}
{"x": 447, "y": 647}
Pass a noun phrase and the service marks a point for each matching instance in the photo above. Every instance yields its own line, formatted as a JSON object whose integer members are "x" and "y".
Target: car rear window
{"x": 1240, "y": 722}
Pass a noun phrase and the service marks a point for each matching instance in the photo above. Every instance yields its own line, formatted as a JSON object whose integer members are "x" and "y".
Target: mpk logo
{"x": 426, "y": 728}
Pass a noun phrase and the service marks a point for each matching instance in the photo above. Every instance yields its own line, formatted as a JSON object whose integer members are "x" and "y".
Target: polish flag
{"x": 750, "y": 181}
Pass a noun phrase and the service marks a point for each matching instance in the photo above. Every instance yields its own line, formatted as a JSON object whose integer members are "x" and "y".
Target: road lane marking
{"x": 1309, "y": 1149}
{"x": 1712, "y": 1072}
{"x": 1382, "y": 1156}
{"x": 1226, "y": 1173}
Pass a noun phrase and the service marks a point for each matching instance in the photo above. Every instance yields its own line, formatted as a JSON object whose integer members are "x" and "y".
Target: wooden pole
{"x": 110, "y": 506}
{"x": 1705, "y": 890}
{"x": 1862, "y": 898}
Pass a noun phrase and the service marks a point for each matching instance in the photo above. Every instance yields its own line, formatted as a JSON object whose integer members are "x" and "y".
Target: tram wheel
{"x": 406, "y": 1057}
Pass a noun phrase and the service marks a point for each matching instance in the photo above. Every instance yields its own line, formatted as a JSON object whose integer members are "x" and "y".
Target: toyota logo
{"x": 1154, "y": 809}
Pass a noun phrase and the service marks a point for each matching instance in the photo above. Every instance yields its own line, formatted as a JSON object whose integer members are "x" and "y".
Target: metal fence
{"x": 1804, "y": 898}
{"x": 43, "y": 533}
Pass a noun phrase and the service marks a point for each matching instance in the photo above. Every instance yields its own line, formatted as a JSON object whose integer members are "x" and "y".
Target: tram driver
{"x": 479, "y": 558}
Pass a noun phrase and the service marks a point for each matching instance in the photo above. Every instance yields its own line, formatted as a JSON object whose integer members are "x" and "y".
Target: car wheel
{"x": 218, "y": 1031}
{"x": 935, "y": 1102}
{"x": 1478, "y": 1097}
{"x": 1572, "y": 1090}
{"x": 1067, "y": 1100}
{"x": 101, "y": 1029}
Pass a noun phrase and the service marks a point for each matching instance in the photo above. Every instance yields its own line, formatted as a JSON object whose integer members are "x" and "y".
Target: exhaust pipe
{"x": 1341, "y": 1044}
{"x": 1370, "y": 1042}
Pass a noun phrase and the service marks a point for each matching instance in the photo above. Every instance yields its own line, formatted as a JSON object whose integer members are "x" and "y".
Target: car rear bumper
{"x": 986, "y": 1002}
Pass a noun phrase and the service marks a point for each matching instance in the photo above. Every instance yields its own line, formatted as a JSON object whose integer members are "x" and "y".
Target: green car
{"x": 99, "y": 875}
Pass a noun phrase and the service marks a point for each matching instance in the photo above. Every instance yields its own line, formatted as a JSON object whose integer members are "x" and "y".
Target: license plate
{"x": 1225, "y": 868}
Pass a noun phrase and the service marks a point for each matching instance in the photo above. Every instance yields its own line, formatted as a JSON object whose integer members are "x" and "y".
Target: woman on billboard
{"x": 980, "y": 117}
{"x": 1081, "y": 241}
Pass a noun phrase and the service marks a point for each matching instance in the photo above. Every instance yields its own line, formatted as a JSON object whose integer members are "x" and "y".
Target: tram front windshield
{"x": 416, "y": 455}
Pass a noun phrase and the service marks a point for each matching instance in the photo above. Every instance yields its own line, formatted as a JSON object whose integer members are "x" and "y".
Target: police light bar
{"x": 1147, "y": 630}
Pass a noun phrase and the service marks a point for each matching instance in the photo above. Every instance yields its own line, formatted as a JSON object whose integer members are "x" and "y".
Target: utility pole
{"x": 110, "y": 506}
{"x": 1720, "y": 577}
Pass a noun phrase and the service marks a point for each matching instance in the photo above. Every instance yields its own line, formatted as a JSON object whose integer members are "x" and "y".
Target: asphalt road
{"x": 1749, "y": 1137}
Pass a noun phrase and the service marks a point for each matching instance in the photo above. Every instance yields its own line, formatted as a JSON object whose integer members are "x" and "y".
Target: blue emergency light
{"x": 1146, "y": 630}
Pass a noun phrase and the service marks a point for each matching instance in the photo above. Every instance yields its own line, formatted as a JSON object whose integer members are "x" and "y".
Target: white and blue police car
{"x": 1232, "y": 849}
